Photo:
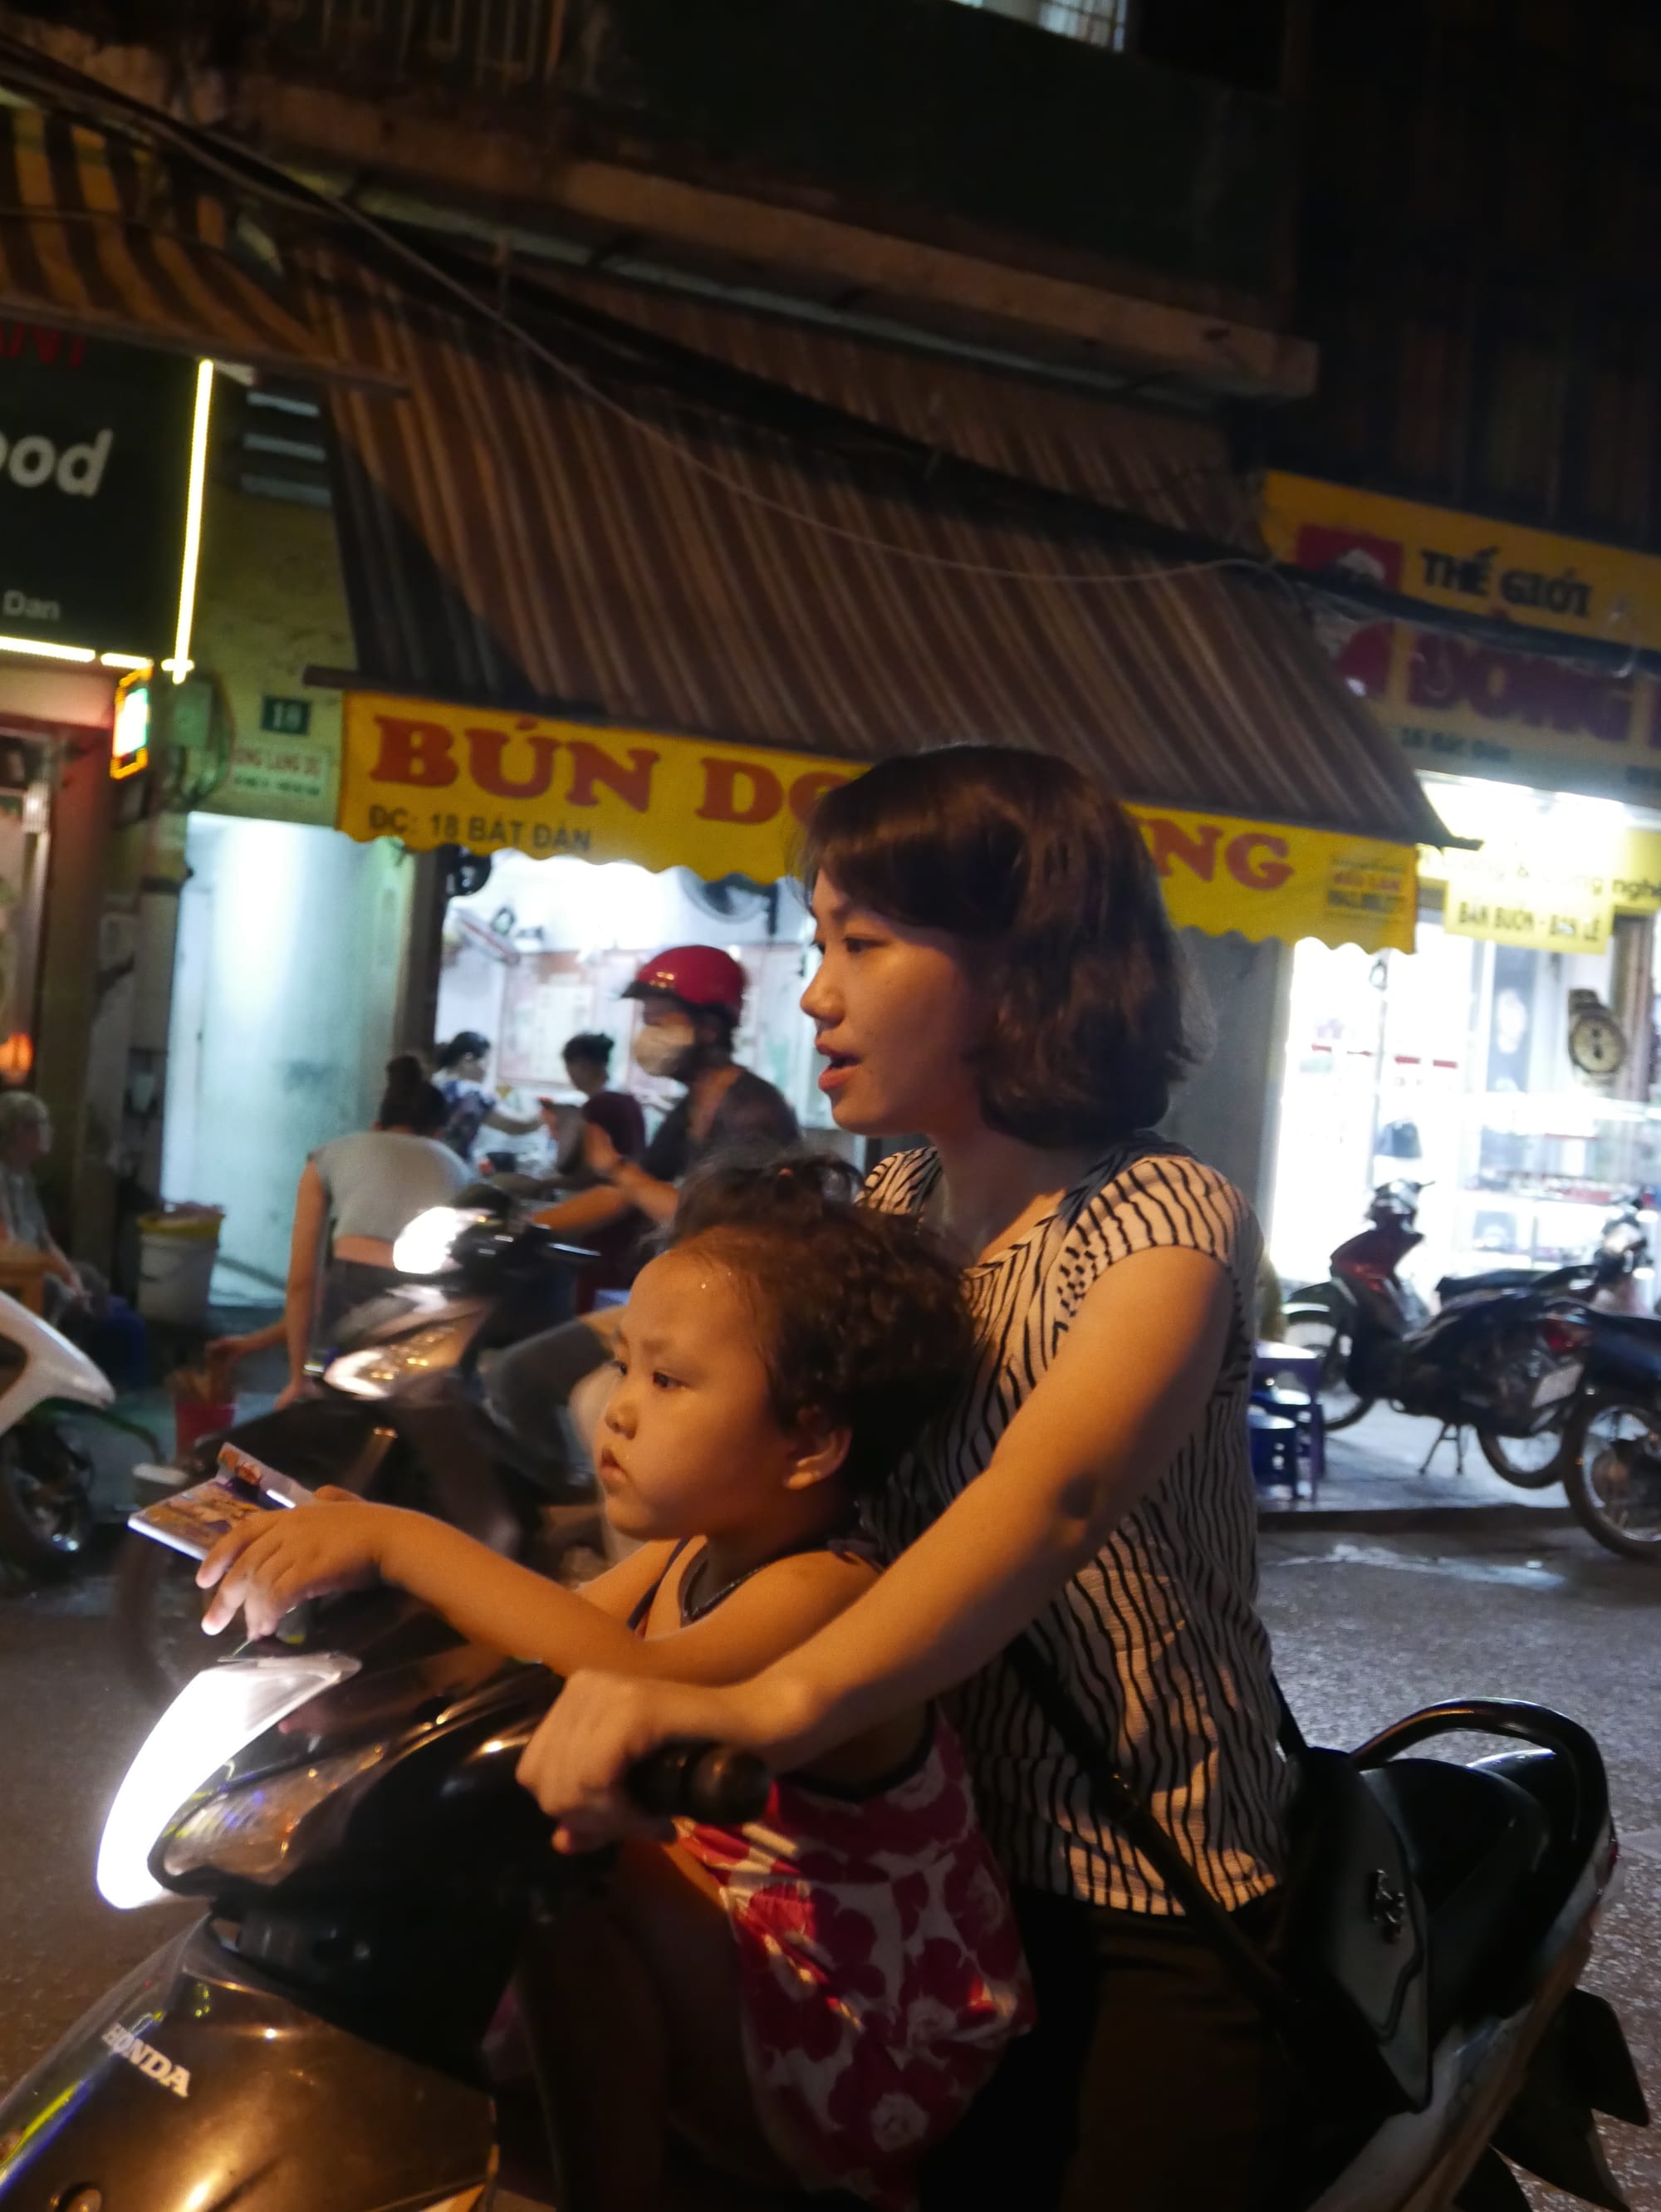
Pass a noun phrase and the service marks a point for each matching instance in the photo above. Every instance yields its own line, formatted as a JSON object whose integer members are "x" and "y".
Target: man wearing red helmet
{"x": 691, "y": 997}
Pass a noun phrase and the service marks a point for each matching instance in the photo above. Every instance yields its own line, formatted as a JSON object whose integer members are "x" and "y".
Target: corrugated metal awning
{"x": 626, "y": 542}
{"x": 102, "y": 235}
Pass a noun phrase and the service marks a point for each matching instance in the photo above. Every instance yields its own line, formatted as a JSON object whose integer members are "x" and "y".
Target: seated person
{"x": 812, "y": 2000}
{"x": 25, "y": 1141}
{"x": 617, "y": 1116}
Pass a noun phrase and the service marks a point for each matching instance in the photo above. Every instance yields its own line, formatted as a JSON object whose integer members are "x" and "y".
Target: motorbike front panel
{"x": 200, "y": 2082}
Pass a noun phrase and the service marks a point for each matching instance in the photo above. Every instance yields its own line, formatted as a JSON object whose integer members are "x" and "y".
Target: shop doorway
{"x": 285, "y": 978}
{"x": 541, "y": 952}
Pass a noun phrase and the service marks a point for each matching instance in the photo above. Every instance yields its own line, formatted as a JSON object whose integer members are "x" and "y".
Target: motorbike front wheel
{"x": 1613, "y": 1475}
{"x": 1341, "y": 1405}
{"x": 1530, "y": 1462}
{"x": 46, "y": 1510}
{"x": 158, "y": 1618}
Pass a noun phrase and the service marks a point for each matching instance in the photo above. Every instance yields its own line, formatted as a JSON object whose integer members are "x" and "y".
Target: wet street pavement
{"x": 1366, "y": 1626}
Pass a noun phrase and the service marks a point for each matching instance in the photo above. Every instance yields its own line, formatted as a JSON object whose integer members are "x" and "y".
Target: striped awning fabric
{"x": 102, "y": 236}
{"x": 519, "y": 534}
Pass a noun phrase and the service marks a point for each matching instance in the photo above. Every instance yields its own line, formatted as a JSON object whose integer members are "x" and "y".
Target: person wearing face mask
{"x": 691, "y": 998}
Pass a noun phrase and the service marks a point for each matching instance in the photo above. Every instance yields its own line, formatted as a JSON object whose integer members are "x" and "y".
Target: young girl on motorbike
{"x": 815, "y": 1998}
{"x": 999, "y": 973}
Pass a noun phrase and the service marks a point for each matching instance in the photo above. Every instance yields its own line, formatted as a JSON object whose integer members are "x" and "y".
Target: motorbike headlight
{"x": 213, "y": 1717}
{"x": 426, "y": 1245}
{"x": 378, "y": 1369}
{"x": 249, "y": 1832}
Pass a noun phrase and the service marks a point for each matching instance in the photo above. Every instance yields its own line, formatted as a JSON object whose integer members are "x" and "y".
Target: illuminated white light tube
{"x": 80, "y": 653}
{"x": 123, "y": 660}
{"x": 213, "y": 1717}
{"x": 179, "y": 665}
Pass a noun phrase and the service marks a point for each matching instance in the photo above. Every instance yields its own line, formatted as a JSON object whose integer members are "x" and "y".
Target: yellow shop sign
{"x": 1476, "y": 705}
{"x": 430, "y": 773}
{"x": 1468, "y": 562}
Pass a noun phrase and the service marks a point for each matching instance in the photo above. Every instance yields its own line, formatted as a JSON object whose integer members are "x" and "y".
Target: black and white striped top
{"x": 1158, "y": 1639}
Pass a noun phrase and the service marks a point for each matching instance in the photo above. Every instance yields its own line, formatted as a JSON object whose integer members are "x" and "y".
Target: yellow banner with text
{"x": 1469, "y": 563}
{"x": 1478, "y": 706}
{"x": 1554, "y": 883}
{"x": 431, "y": 775}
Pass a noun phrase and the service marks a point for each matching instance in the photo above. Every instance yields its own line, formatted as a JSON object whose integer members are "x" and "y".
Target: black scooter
{"x": 349, "y": 1816}
{"x": 399, "y": 1414}
{"x": 1504, "y": 1356}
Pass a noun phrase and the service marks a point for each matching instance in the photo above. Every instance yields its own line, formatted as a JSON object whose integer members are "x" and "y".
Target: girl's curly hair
{"x": 861, "y": 1317}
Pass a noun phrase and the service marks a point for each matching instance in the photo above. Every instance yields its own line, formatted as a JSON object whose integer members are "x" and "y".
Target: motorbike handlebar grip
{"x": 695, "y": 1781}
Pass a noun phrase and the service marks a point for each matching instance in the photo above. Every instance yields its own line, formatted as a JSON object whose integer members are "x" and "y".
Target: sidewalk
{"x": 1373, "y": 1482}
{"x": 1373, "y": 1478}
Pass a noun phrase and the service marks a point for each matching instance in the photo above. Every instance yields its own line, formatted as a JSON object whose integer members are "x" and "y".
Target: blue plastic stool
{"x": 1286, "y": 1379}
{"x": 1273, "y": 1442}
{"x": 1305, "y": 1414}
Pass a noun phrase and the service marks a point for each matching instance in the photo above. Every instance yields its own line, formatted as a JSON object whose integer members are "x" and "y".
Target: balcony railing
{"x": 491, "y": 45}
{"x": 1094, "y": 23}
{"x": 495, "y": 45}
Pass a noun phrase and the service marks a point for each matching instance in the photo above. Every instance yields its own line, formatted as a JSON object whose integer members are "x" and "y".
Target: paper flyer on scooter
{"x": 192, "y": 1521}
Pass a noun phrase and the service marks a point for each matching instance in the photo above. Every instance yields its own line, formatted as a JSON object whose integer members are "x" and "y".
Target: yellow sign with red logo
{"x": 1465, "y": 705}
{"x": 432, "y": 774}
{"x": 1468, "y": 562}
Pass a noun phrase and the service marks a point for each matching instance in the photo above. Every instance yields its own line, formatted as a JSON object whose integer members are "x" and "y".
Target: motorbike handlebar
{"x": 694, "y": 1781}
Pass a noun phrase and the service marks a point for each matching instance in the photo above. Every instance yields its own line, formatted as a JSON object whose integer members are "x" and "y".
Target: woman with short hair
{"x": 999, "y": 972}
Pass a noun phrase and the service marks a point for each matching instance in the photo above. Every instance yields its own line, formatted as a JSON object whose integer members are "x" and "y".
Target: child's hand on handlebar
{"x": 269, "y": 1566}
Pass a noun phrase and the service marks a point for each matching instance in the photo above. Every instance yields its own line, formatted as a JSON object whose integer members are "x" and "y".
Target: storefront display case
{"x": 1542, "y": 1174}
{"x": 1453, "y": 1068}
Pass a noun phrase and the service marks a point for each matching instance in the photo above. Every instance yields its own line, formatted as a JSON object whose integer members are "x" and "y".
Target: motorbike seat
{"x": 1643, "y": 1329}
{"x": 1498, "y": 1279}
{"x": 1474, "y": 1842}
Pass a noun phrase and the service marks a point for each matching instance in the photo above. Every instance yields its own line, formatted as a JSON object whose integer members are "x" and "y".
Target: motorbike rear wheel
{"x": 158, "y": 1619}
{"x": 45, "y": 1508}
{"x": 1529, "y": 1462}
{"x": 1613, "y": 1475}
{"x": 1341, "y": 1405}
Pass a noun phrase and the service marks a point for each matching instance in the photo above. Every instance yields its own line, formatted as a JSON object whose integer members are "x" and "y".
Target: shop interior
{"x": 542, "y": 950}
{"x": 1521, "y": 1086}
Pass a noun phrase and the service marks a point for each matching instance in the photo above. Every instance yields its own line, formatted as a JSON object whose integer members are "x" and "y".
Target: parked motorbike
{"x": 1505, "y": 1355}
{"x": 1611, "y": 1456}
{"x": 1607, "y": 1281}
{"x": 46, "y": 1475}
{"x": 347, "y": 1813}
{"x": 398, "y": 1412}
{"x": 1608, "y": 1456}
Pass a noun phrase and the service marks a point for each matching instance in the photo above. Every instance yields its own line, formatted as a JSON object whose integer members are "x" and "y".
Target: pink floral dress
{"x": 881, "y": 1969}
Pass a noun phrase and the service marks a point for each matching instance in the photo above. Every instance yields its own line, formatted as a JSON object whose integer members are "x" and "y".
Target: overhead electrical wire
{"x": 254, "y": 172}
